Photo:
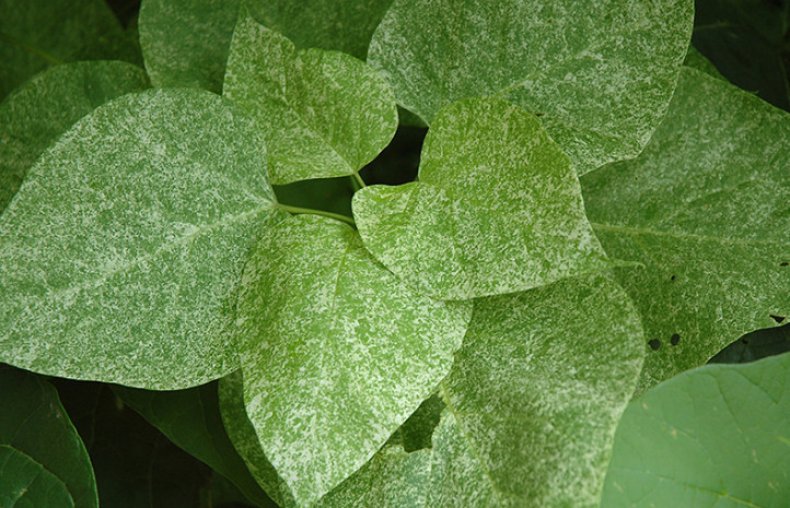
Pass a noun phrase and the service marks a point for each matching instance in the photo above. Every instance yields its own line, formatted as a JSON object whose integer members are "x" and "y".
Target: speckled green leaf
{"x": 536, "y": 392}
{"x": 26, "y": 483}
{"x": 120, "y": 255}
{"x": 191, "y": 419}
{"x": 327, "y": 24}
{"x": 185, "y": 42}
{"x": 706, "y": 210}
{"x": 34, "y": 116}
{"x": 323, "y": 113}
{"x": 39, "y": 448}
{"x": 35, "y": 34}
{"x": 600, "y": 73}
{"x": 497, "y": 208}
{"x": 242, "y": 434}
{"x": 714, "y": 436}
{"x": 336, "y": 351}
{"x": 392, "y": 479}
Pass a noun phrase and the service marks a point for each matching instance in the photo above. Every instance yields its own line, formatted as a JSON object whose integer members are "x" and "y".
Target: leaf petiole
{"x": 298, "y": 209}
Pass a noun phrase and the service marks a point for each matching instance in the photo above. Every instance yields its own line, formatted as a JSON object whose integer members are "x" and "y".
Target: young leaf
{"x": 191, "y": 419}
{"x": 336, "y": 351}
{"x": 36, "y": 34}
{"x": 601, "y": 74}
{"x": 323, "y": 113}
{"x": 705, "y": 210}
{"x": 121, "y": 252}
{"x": 40, "y": 451}
{"x": 185, "y": 42}
{"x": 536, "y": 392}
{"x": 34, "y": 115}
{"x": 327, "y": 24}
{"x": 497, "y": 208}
{"x": 714, "y": 436}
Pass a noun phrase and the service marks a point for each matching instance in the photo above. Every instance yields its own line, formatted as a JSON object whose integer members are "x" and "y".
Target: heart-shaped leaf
{"x": 121, "y": 252}
{"x": 323, "y": 113}
{"x": 497, "y": 209}
{"x": 705, "y": 210}
{"x": 34, "y": 116}
{"x": 336, "y": 351}
{"x": 600, "y": 73}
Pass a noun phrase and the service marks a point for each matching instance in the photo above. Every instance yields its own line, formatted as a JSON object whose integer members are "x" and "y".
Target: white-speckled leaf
{"x": 336, "y": 351}
{"x": 536, "y": 392}
{"x": 35, "y": 34}
{"x": 323, "y": 113}
{"x": 121, "y": 252}
{"x": 341, "y": 25}
{"x": 600, "y": 72}
{"x": 185, "y": 42}
{"x": 497, "y": 209}
{"x": 242, "y": 434}
{"x": 715, "y": 436}
{"x": 33, "y": 116}
{"x": 706, "y": 210}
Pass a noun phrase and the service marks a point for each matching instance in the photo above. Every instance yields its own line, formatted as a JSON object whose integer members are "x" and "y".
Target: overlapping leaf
{"x": 497, "y": 208}
{"x": 120, "y": 255}
{"x": 191, "y": 419}
{"x": 323, "y": 113}
{"x": 36, "y": 34}
{"x": 536, "y": 392}
{"x": 600, "y": 73}
{"x": 45, "y": 107}
{"x": 185, "y": 42}
{"x": 336, "y": 351}
{"x": 327, "y": 24}
{"x": 43, "y": 461}
{"x": 714, "y": 436}
{"x": 705, "y": 209}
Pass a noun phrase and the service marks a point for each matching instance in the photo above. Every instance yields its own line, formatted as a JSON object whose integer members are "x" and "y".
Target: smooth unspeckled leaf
{"x": 327, "y": 24}
{"x": 497, "y": 208}
{"x": 600, "y": 73}
{"x": 536, "y": 392}
{"x": 755, "y": 346}
{"x": 336, "y": 351}
{"x": 34, "y": 116}
{"x": 242, "y": 434}
{"x": 191, "y": 419}
{"x": 323, "y": 113}
{"x": 43, "y": 451}
{"x": 120, "y": 255}
{"x": 35, "y": 34}
{"x": 24, "y": 482}
{"x": 185, "y": 42}
{"x": 706, "y": 210}
{"x": 714, "y": 436}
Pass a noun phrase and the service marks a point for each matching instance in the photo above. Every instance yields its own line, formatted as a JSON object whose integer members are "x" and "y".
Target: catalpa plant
{"x": 518, "y": 325}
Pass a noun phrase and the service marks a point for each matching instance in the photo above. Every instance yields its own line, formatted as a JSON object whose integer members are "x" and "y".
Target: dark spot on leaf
{"x": 673, "y": 278}
{"x": 784, "y": 263}
{"x": 745, "y": 341}
{"x": 654, "y": 344}
{"x": 675, "y": 339}
{"x": 539, "y": 114}
{"x": 778, "y": 319}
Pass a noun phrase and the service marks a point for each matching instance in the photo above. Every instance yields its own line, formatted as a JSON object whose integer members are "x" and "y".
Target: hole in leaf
{"x": 778, "y": 319}
{"x": 675, "y": 339}
{"x": 654, "y": 344}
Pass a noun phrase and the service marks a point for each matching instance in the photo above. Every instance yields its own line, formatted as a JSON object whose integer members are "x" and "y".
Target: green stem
{"x": 298, "y": 209}
{"x": 359, "y": 180}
